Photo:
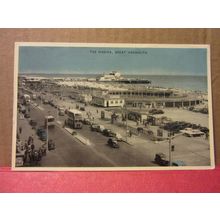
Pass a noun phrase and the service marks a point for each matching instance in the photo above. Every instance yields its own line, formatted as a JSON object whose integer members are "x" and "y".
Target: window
{"x": 116, "y": 102}
{"x": 111, "y": 102}
{"x": 120, "y": 101}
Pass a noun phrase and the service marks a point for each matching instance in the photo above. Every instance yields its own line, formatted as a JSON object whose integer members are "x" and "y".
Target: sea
{"x": 186, "y": 82}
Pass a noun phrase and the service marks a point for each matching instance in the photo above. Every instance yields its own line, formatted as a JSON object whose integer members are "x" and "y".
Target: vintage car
{"x": 178, "y": 163}
{"x": 108, "y": 133}
{"x": 27, "y": 115}
{"x": 94, "y": 127}
{"x": 33, "y": 123}
{"x": 51, "y": 145}
{"x": 160, "y": 159}
{"x": 41, "y": 132}
{"x": 112, "y": 142}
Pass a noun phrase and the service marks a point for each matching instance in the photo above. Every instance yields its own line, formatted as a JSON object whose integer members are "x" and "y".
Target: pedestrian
{"x": 25, "y": 156}
{"x": 22, "y": 146}
{"x": 32, "y": 146}
{"x": 130, "y": 133}
{"x": 172, "y": 147}
{"x": 206, "y": 135}
{"x": 29, "y": 140}
{"x": 25, "y": 145}
{"x": 20, "y": 129}
{"x": 97, "y": 111}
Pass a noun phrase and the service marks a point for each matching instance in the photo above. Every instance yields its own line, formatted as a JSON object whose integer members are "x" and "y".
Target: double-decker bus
{"x": 74, "y": 119}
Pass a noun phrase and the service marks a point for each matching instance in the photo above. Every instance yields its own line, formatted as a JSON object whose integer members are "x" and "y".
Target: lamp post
{"x": 171, "y": 147}
{"x": 126, "y": 117}
{"x": 47, "y": 129}
{"x": 47, "y": 133}
{"x": 170, "y": 150}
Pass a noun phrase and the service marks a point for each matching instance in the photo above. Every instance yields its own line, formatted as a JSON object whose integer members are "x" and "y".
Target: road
{"x": 72, "y": 153}
{"x": 140, "y": 152}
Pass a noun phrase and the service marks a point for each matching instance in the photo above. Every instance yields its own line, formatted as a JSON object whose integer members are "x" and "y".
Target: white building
{"x": 112, "y": 76}
{"x": 85, "y": 98}
{"x": 108, "y": 101}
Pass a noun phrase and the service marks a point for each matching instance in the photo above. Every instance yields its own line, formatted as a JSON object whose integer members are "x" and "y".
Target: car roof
{"x": 48, "y": 117}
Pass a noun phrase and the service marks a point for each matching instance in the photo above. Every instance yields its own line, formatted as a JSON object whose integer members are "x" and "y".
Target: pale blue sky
{"x": 153, "y": 61}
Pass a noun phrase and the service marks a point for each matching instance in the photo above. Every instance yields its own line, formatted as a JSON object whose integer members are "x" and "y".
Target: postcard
{"x": 86, "y": 106}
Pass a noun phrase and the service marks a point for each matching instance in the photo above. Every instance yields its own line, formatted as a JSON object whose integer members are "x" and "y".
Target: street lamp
{"x": 47, "y": 130}
{"x": 170, "y": 150}
{"x": 171, "y": 136}
{"x": 126, "y": 117}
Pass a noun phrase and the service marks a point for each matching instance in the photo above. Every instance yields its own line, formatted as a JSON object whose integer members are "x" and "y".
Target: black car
{"x": 51, "y": 145}
{"x": 33, "y": 123}
{"x": 204, "y": 129}
{"x": 156, "y": 111}
{"x": 113, "y": 143}
{"x": 41, "y": 132}
{"x": 27, "y": 115}
{"x": 108, "y": 133}
{"x": 161, "y": 160}
{"x": 94, "y": 127}
{"x": 86, "y": 121}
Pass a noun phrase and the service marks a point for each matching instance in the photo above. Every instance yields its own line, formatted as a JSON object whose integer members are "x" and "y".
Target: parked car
{"x": 161, "y": 160}
{"x": 51, "y": 145}
{"x": 94, "y": 127}
{"x": 41, "y": 132}
{"x": 82, "y": 109}
{"x": 204, "y": 129}
{"x": 33, "y": 123}
{"x": 101, "y": 128}
{"x": 45, "y": 101}
{"x": 108, "y": 133}
{"x": 27, "y": 115}
{"x": 86, "y": 121}
{"x": 113, "y": 143}
{"x": 178, "y": 163}
{"x": 50, "y": 102}
{"x": 61, "y": 111}
{"x": 118, "y": 137}
{"x": 23, "y": 109}
{"x": 156, "y": 111}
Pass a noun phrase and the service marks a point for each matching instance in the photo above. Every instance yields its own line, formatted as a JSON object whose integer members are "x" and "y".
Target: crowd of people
{"x": 31, "y": 154}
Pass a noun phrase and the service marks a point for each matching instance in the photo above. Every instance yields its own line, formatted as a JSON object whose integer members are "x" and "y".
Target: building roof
{"x": 107, "y": 97}
{"x": 74, "y": 111}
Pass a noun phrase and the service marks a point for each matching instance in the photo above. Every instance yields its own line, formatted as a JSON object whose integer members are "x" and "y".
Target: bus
{"x": 49, "y": 121}
{"x": 74, "y": 119}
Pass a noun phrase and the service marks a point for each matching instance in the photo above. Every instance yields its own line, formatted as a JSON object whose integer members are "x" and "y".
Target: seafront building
{"x": 114, "y": 94}
{"x": 108, "y": 101}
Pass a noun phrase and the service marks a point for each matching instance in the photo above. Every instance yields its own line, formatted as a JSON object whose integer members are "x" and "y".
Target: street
{"x": 70, "y": 152}
{"x": 135, "y": 151}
